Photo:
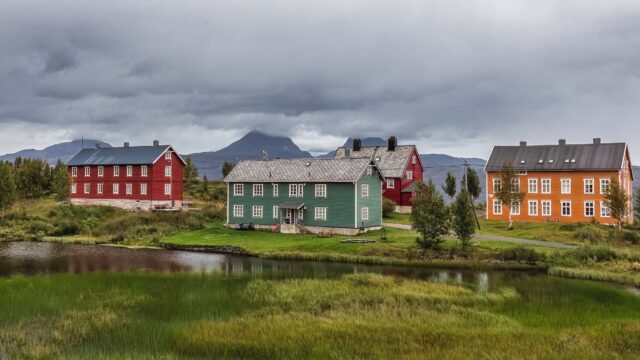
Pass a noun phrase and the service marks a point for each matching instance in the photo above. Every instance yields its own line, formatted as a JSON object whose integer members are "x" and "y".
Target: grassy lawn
{"x": 174, "y": 316}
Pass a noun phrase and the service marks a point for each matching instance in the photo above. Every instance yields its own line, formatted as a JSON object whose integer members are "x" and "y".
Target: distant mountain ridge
{"x": 63, "y": 151}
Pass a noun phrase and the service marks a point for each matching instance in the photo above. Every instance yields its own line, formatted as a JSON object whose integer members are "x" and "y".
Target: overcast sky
{"x": 454, "y": 77}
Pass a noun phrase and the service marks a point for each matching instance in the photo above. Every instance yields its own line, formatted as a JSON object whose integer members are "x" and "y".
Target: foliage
{"x": 429, "y": 215}
{"x": 32, "y": 178}
{"x": 388, "y": 207}
{"x": 8, "y": 191}
{"x": 631, "y": 236}
{"x": 449, "y": 186}
{"x": 472, "y": 181}
{"x": 60, "y": 181}
{"x": 584, "y": 254}
{"x": 617, "y": 201}
{"x": 463, "y": 221}
{"x": 226, "y": 168}
{"x": 190, "y": 172}
{"x": 590, "y": 233}
{"x": 508, "y": 193}
{"x": 521, "y": 255}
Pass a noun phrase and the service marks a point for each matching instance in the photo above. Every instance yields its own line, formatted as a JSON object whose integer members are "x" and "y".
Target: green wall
{"x": 373, "y": 202}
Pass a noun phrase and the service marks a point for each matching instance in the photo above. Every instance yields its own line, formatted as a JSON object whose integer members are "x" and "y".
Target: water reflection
{"x": 45, "y": 258}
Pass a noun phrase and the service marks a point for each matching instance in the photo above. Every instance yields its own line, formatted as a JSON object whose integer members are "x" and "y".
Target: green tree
{"x": 388, "y": 206}
{"x": 8, "y": 191}
{"x": 449, "y": 186}
{"x": 190, "y": 173}
{"x": 472, "y": 181}
{"x": 636, "y": 205}
{"x": 31, "y": 178}
{"x": 509, "y": 191}
{"x": 227, "y": 167}
{"x": 463, "y": 221}
{"x": 617, "y": 201}
{"x": 60, "y": 181}
{"x": 429, "y": 216}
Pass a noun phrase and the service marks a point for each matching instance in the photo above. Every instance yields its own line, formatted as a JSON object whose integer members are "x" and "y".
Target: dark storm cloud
{"x": 454, "y": 77}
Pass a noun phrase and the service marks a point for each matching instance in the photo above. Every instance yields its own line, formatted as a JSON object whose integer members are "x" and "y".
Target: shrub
{"x": 591, "y": 234}
{"x": 585, "y": 254}
{"x": 66, "y": 227}
{"x": 388, "y": 206}
{"x": 39, "y": 227}
{"x": 521, "y": 255}
{"x": 630, "y": 236}
{"x": 571, "y": 226}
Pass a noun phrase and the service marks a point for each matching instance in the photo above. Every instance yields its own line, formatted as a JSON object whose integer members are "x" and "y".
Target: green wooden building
{"x": 342, "y": 196}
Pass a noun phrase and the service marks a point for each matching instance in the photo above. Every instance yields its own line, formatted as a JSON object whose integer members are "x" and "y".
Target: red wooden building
{"x": 130, "y": 177}
{"x": 400, "y": 165}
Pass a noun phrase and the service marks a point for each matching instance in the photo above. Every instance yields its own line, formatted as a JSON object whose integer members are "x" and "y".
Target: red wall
{"x": 395, "y": 194}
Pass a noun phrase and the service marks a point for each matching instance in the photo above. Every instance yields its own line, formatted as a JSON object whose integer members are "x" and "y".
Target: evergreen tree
{"x": 429, "y": 215}
{"x": 190, "y": 172}
{"x": 472, "y": 181}
{"x": 617, "y": 201}
{"x": 227, "y": 167}
{"x": 449, "y": 186}
{"x": 508, "y": 193}
{"x": 31, "y": 180}
{"x": 60, "y": 181}
{"x": 7, "y": 188}
{"x": 463, "y": 218}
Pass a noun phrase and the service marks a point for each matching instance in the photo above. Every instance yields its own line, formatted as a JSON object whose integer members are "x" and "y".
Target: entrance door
{"x": 291, "y": 216}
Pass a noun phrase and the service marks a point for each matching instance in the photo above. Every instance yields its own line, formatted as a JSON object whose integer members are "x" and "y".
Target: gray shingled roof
{"x": 299, "y": 170}
{"x": 585, "y": 157}
{"x": 133, "y": 155}
{"x": 391, "y": 163}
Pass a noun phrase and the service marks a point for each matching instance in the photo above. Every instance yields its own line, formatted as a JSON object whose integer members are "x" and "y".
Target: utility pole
{"x": 466, "y": 186}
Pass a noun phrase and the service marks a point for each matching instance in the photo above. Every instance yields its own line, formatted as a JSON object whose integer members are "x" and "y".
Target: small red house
{"x": 129, "y": 177}
{"x": 400, "y": 165}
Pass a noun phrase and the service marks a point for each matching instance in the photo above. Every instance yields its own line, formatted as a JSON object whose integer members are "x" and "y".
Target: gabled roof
{"x": 133, "y": 155}
{"x": 299, "y": 170}
{"x": 391, "y": 163}
{"x": 560, "y": 157}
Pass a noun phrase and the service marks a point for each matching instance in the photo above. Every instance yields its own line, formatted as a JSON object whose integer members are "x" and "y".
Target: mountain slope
{"x": 51, "y": 154}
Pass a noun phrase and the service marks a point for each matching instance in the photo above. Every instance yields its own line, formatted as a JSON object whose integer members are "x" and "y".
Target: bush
{"x": 66, "y": 227}
{"x": 571, "y": 226}
{"x": 521, "y": 255}
{"x": 388, "y": 207}
{"x": 39, "y": 227}
{"x": 630, "y": 236}
{"x": 591, "y": 234}
{"x": 584, "y": 254}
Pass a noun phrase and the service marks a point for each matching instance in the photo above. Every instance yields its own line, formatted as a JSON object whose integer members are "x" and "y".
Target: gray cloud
{"x": 456, "y": 77}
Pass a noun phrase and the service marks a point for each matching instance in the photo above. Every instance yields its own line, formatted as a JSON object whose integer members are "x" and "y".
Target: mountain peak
{"x": 63, "y": 151}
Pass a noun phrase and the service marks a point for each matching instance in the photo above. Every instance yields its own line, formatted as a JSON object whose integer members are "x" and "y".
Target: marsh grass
{"x": 143, "y": 315}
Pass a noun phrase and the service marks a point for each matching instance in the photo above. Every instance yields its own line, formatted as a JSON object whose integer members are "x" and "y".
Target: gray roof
{"x": 133, "y": 155}
{"x": 568, "y": 157}
{"x": 299, "y": 170}
{"x": 391, "y": 163}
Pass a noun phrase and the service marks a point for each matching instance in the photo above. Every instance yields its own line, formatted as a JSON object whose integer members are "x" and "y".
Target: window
{"x": 391, "y": 184}
{"x": 546, "y": 208}
{"x": 296, "y": 190}
{"x": 87, "y": 171}
{"x": 364, "y": 190}
{"x": 275, "y": 212}
{"x": 604, "y": 186}
{"x": 588, "y": 186}
{"x": 257, "y": 211}
{"x": 497, "y": 184}
{"x": 74, "y": 188}
{"x": 87, "y": 188}
{"x": 116, "y": 189}
{"x": 238, "y": 189}
{"x": 515, "y": 208}
{"x": 515, "y": 185}
{"x": 413, "y": 159}
{"x": 533, "y": 186}
{"x": 129, "y": 189}
{"x": 144, "y": 170}
{"x": 497, "y": 207}
{"x": 589, "y": 208}
{"x": 365, "y": 213}
{"x": 100, "y": 171}
{"x": 605, "y": 211}
{"x": 74, "y": 171}
{"x": 129, "y": 171}
{"x": 369, "y": 170}
{"x": 566, "y": 208}
{"x": 533, "y": 208}
{"x": 167, "y": 155}
{"x": 167, "y": 171}
{"x": 143, "y": 189}
{"x": 321, "y": 190}
{"x": 116, "y": 170}
{"x": 100, "y": 188}
{"x": 275, "y": 190}
{"x": 565, "y": 186}
{"x": 167, "y": 189}
{"x": 546, "y": 186}
{"x": 238, "y": 210}
{"x": 258, "y": 189}
{"x": 321, "y": 213}
{"x": 409, "y": 175}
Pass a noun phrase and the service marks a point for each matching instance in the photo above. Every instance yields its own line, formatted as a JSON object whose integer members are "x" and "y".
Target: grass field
{"x": 175, "y": 316}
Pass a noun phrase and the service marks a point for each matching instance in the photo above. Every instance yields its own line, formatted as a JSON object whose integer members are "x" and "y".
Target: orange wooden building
{"x": 563, "y": 182}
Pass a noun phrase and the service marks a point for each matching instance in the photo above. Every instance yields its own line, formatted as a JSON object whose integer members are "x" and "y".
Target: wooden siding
{"x": 395, "y": 194}
{"x": 373, "y": 201}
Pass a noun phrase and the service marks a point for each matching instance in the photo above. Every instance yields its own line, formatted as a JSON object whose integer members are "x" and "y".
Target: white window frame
{"x": 116, "y": 189}
{"x": 296, "y": 190}
{"x": 87, "y": 188}
{"x": 593, "y": 208}
{"x": 276, "y": 190}
{"x": 144, "y": 171}
{"x": 369, "y": 170}
{"x": 563, "y": 189}
{"x": 364, "y": 190}
{"x": 128, "y": 189}
{"x": 129, "y": 170}
{"x": 275, "y": 212}
{"x": 100, "y": 171}
{"x": 74, "y": 188}
{"x": 364, "y": 214}
{"x": 238, "y": 189}
{"x": 409, "y": 175}
{"x": 515, "y": 185}
{"x": 391, "y": 183}
{"x": 167, "y": 189}
{"x": 116, "y": 170}
{"x": 604, "y": 183}
{"x": 167, "y": 171}
{"x": 589, "y": 183}
{"x": 562, "y": 203}
{"x": 605, "y": 211}
{"x": 87, "y": 171}
{"x": 497, "y": 185}
{"x": 413, "y": 159}
{"x": 257, "y": 212}
{"x": 167, "y": 155}
{"x": 542, "y": 206}
{"x": 545, "y": 183}
{"x": 238, "y": 211}
{"x": 533, "y": 186}
{"x": 100, "y": 188}
{"x": 74, "y": 171}
{"x": 143, "y": 189}
{"x": 531, "y": 209}
{"x": 515, "y": 205}
{"x": 320, "y": 213}
{"x": 497, "y": 205}
{"x": 258, "y": 190}
{"x": 321, "y": 191}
